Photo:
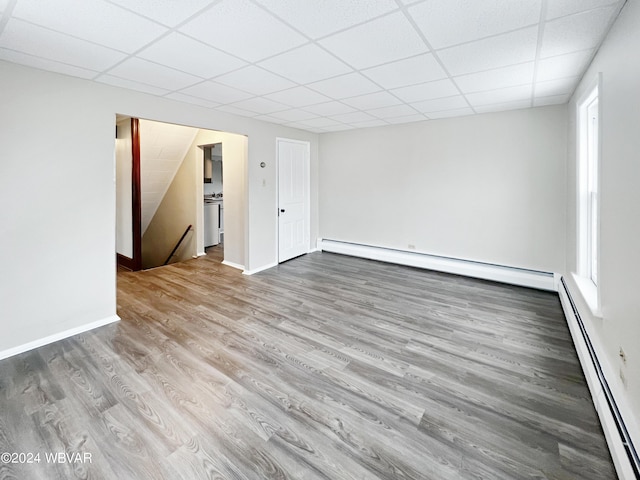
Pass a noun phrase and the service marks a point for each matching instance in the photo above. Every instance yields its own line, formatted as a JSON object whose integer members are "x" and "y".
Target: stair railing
{"x": 175, "y": 249}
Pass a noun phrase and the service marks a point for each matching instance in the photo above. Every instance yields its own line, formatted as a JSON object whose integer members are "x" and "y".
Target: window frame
{"x": 588, "y": 160}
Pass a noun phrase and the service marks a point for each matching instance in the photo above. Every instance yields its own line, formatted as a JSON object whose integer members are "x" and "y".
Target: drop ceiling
{"x": 319, "y": 65}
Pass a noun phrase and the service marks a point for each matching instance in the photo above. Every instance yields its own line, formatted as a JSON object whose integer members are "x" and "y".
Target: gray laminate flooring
{"x": 325, "y": 367}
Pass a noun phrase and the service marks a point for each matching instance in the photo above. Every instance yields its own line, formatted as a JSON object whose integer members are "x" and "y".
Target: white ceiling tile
{"x": 151, "y": 73}
{"x": 575, "y": 32}
{"x": 330, "y": 108}
{"x": 440, "y": 104}
{"x": 372, "y": 100}
{"x": 370, "y": 123}
{"x": 560, "y": 8}
{"x": 560, "y": 86}
{"x": 299, "y": 126}
{"x": 255, "y": 80}
{"x": 348, "y": 85}
{"x": 499, "y": 51}
{"x": 410, "y": 71}
{"x": 168, "y": 153}
{"x": 380, "y": 41}
{"x": 236, "y": 111}
{"x": 168, "y": 12}
{"x": 270, "y": 119}
{"x": 337, "y": 128}
{"x": 497, "y": 78}
{"x": 317, "y": 19}
{"x": 44, "y": 64}
{"x": 160, "y": 165}
{"x": 426, "y": 91}
{"x": 502, "y": 107}
{"x": 563, "y": 66}
{"x": 216, "y": 92}
{"x": 294, "y": 115}
{"x": 149, "y": 152}
{"x": 40, "y": 42}
{"x": 298, "y": 97}
{"x": 503, "y": 95}
{"x": 204, "y": 59}
{"x": 320, "y": 122}
{"x": 457, "y": 112}
{"x": 153, "y": 186}
{"x": 353, "y": 117}
{"x": 450, "y": 22}
{"x": 231, "y": 26}
{"x": 408, "y": 119}
{"x": 260, "y": 105}
{"x": 552, "y": 100}
{"x": 201, "y": 60}
{"x": 391, "y": 112}
{"x": 165, "y": 138}
{"x": 306, "y": 64}
{"x": 93, "y": 20}
{"x": 131, "y": 85}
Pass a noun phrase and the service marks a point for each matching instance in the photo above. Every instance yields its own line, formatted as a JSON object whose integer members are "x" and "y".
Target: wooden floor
{"x": 325, "y": 367}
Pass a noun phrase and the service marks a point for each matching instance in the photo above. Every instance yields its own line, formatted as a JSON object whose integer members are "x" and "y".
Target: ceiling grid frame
{"x": 338, "y": 66}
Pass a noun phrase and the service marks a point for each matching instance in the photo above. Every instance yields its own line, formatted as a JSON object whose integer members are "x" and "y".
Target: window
{"x": 588, "y": 116}
{"x": 591, "y": 159}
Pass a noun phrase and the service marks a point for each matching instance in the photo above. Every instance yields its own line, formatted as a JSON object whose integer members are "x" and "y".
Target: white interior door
{"x": 293, "y": 198}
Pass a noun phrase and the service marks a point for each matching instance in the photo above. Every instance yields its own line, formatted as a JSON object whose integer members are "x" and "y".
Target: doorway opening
{"x": 161, "y": 193}
{"x": 213, "y": 219}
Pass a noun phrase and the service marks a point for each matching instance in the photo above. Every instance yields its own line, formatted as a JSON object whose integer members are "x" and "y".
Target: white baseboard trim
{"x": 260, "y": 269}
{"x": 612, "y": 433}
{"x": 234, "y": 265}
{"x": 10, "y": 352}
{"x": 498, "y": 273}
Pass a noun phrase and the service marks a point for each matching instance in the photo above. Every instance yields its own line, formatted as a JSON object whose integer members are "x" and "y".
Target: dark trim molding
{"x": 124, "y": 262}
{"x": 136, "y": 195}
{"x": 629, "y": 447}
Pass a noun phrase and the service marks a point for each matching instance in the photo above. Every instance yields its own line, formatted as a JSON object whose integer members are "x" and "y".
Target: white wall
{"x": 620, "y": 210}
{"x": 57, "y": 191}
{"x": 177, "y": 210}
{"x": 263, "y": 196}
{"x": 124, "y": 212}
{"x": 163, "y": 147}
{"x": 488, "y": 188}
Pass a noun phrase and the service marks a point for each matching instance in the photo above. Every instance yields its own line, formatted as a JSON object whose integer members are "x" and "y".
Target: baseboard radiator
{"x": 469, "y": 268}
{"x": 633, "y": 468}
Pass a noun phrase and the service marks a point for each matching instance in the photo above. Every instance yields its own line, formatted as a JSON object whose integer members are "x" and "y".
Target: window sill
{"x": 589, "y": 293}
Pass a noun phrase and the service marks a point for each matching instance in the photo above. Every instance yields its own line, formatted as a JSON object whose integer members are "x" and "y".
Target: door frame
{"x": 136, "y": 194}
{"x": 307, "y": 196}
{"x": 135, "y": 262}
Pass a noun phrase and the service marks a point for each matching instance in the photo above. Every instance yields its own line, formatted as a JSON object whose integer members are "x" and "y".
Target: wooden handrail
{"x": 177, "y": 245}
